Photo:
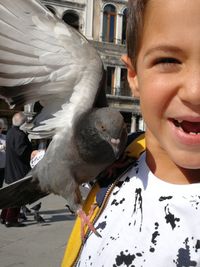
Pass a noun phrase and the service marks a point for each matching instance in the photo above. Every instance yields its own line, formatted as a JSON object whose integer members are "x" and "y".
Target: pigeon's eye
{"x": 103, "y": 128}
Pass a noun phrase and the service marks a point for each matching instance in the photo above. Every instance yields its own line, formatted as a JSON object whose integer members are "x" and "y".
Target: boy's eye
{"x": 167, "y": 64}
{"x": 167, "y": 60}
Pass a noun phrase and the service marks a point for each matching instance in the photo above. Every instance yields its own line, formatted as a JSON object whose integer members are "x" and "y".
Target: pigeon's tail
{"x": 22, "y": 192}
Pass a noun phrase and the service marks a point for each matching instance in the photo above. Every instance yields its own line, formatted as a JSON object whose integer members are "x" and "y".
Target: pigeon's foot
{"x": 70, "y": 210}
{"x": 38, "y": 218}
{"x": 85, "y": 221}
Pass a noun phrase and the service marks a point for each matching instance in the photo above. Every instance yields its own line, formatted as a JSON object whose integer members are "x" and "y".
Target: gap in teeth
{"x": 177, "y": 123}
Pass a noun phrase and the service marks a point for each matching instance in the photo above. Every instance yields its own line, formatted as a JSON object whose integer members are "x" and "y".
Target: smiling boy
{"x": 166, "y": 76}
{"x": 152, "y": 216}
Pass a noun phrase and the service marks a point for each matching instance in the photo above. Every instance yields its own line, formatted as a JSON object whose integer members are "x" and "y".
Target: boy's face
{"x": 167, "y": 79}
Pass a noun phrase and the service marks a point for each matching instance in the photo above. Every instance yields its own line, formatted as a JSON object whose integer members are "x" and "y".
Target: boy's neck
{"x": 165, "y": 169}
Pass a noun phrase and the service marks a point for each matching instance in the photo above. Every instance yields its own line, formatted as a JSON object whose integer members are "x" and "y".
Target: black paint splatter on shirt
{"x": 115, "y": 238}
{"x": 116, "y": 203}
{"x": 138, "y": 204}
{"x": 124, "y": 259}
{"x": 184, "y": 258}
{"x": 195, "y": 201}
{"x": 119, "y": 183}
{"x": 197, "y": 246}
{"x": 127, "y": 180}
{"x": 165, "y": 198}
{"x": 101, "y": 225}
{"x": 170, "y": 218}
{"x": 154, "y": 238}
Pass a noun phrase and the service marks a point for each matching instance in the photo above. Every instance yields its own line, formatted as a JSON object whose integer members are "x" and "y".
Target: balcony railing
{"x": 109, "y": 47}
{"x": 119, "y": 91}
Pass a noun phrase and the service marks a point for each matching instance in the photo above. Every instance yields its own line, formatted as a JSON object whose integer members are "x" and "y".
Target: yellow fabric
{"x": 74, "y": 243}
{"x": 136, "y": 147}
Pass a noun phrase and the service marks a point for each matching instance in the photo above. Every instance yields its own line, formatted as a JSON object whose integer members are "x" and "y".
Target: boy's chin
{"x": 187, "y": 161}
{"x": 189, "y": 165}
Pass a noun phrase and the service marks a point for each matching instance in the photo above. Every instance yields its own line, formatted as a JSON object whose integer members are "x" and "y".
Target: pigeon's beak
{"x": 115, "y": 145}
{"x": 119, "y": 144}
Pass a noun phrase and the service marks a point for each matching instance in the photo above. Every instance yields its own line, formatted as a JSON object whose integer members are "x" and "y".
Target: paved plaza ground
{"x": 38, "y": 245}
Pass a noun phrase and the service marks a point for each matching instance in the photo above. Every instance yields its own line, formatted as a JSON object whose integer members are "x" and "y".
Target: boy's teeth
{"x": 192, "y": 133}
{"x": 179, "y": 121}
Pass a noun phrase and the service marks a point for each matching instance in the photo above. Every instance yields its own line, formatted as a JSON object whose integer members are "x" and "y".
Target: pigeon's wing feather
{"x": 22, "y": 192}
{"x": 42, "y": 58}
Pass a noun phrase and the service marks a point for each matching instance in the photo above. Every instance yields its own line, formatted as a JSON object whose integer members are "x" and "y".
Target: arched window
{"x": 109, "y": 23}
{"x": 71, "y": 18}
{"x": 124, "y": 21}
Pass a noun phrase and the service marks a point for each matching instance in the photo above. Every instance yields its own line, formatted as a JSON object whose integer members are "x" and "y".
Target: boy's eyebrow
{"x": 163, "y": 48}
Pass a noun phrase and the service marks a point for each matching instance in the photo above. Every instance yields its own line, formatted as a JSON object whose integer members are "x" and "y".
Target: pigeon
{"x": 37, "y": 217}
{"x": 43, "y": 59}
{"x": 37, "y": 207}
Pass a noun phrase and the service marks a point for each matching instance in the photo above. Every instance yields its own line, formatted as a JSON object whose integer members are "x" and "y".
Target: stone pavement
{"x": 38, "y": 245}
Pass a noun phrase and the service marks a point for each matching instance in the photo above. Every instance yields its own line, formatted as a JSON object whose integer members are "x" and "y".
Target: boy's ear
{"x": 131, "y": 76}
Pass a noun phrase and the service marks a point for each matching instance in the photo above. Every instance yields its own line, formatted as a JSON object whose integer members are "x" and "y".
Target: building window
{"x": 109, "y": 23}
{"x": 71, "y": 18}
{"x": 124, "y": 21}
{"x": 110, "y": 80}
{"x": 125, "y": 89}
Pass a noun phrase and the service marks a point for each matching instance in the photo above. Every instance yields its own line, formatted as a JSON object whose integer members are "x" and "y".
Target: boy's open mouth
{"x": 188, "y": 127}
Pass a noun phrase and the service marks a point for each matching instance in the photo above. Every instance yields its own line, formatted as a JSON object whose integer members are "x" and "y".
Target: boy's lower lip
{"x": 183, "y": 137}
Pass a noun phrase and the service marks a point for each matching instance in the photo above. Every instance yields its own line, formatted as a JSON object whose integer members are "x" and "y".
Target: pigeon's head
{"x": 111, "y": 128}
{"x": 101, "y": 135}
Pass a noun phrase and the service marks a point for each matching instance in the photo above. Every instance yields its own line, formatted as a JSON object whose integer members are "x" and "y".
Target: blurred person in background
{"x": 2, "y": 152}
{"x": 18, "y": 154}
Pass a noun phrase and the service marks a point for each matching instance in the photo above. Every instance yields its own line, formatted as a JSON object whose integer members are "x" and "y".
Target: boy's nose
{"x": 190, "y": 91}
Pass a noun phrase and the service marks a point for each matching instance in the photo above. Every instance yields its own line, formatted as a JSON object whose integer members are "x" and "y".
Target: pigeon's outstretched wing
{"x": 41, "y": 58}
{"x": 22, "y": 192}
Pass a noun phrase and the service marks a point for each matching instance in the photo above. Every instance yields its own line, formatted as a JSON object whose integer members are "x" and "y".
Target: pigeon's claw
{"x": 85, "y": 221}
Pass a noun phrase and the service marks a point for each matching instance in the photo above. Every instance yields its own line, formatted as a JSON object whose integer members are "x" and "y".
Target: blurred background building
{"x": 103, "y": 23}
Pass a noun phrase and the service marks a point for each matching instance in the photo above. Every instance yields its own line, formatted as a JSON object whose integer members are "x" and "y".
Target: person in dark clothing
{"x": 2, "y": 152}
{"x": 18, "y": 153}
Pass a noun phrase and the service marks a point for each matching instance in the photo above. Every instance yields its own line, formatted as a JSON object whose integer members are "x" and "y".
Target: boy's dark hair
{"x": 136, "y": 10}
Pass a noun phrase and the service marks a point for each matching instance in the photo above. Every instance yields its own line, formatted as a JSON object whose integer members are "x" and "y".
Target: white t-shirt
{"x": 147, "y": 222}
